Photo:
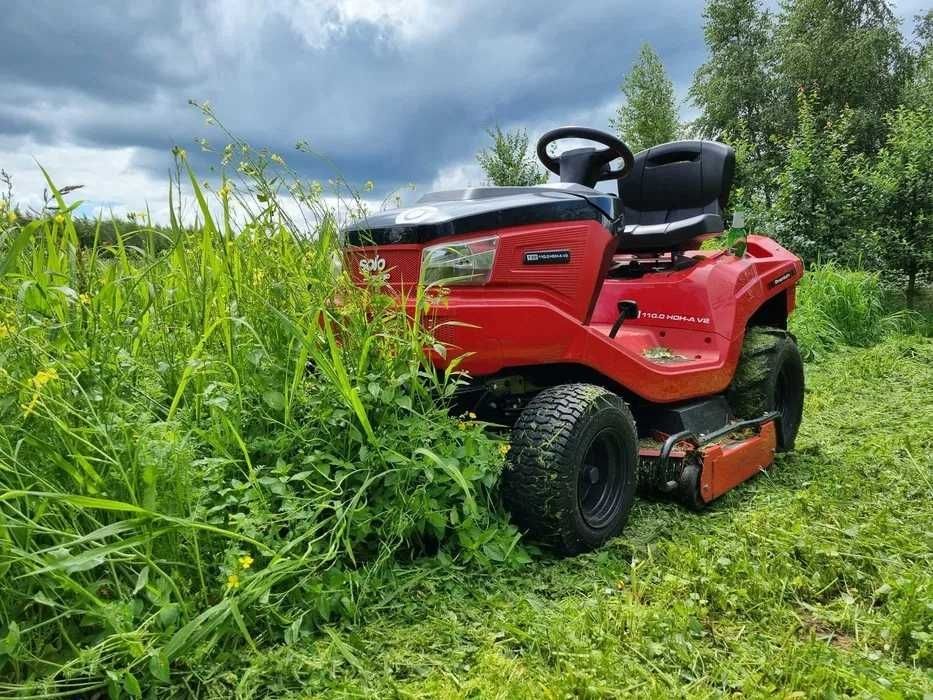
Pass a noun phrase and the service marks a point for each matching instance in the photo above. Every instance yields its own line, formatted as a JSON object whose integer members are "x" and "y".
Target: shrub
{"x": 200, "y": 447}
{"x": 902, "y": 185}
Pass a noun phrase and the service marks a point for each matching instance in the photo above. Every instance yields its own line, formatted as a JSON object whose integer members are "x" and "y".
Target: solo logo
{"x": 372, "y": 265}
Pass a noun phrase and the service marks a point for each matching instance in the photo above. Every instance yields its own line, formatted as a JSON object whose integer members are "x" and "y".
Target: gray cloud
{"x": 382, "y": 106}
{"x": 393, "y": 96}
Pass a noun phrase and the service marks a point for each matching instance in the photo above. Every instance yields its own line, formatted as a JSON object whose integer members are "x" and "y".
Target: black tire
{"x": 570, "y": 480}
{"x": 770, "y": 378}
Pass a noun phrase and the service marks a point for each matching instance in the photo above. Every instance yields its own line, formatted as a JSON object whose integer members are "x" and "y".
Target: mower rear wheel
{"x": 570, "y": 480}
{"x": 770, "y": 378}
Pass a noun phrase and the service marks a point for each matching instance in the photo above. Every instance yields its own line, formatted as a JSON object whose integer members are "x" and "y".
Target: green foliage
{"x": 838, "y": 307}
{"x": 810, "y": 580}
{"x": 819, "y": 200}
{"x": 201, "y": 450}
{"x": 509, "y": 161}
{"x": 850, "y": 54}
{"x": 810, "y": 99}
{"x": 902, "y": 182}
{"x": 649, "y": 115}
{"x": 736, "y": 90}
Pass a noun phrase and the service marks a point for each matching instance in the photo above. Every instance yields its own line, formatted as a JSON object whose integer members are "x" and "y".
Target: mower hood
{"x": 478, "y": 209}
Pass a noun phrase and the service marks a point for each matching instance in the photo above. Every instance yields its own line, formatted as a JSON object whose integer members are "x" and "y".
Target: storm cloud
{"x": 393, "y": 92}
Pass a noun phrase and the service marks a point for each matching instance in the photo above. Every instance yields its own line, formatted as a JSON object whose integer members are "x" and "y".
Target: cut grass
{"x": 813, "y": 577}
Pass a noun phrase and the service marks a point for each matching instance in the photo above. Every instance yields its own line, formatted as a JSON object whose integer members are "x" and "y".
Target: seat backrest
{"x": 677, "y": 180}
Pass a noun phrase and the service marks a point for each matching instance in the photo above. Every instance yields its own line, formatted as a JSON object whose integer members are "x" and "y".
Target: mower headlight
{"x": 461, "y": 263}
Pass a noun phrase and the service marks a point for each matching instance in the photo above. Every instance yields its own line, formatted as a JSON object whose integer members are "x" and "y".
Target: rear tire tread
{"x": 751, "y": 393}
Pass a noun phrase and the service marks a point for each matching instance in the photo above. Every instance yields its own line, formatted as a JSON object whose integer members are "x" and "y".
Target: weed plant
{"x": 214, "y": 441}
{"x": 838, "y": 306}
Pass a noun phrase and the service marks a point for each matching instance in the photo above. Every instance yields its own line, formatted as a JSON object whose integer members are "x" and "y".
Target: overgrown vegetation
{"x": 838, "y": 307}
{"x": 202, "y": 451}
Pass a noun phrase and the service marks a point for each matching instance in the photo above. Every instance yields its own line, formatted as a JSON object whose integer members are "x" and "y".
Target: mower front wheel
{"x": 570, "y": 481}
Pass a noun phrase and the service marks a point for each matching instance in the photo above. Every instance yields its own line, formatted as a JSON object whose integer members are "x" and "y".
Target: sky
{"x": 397, "y": 92}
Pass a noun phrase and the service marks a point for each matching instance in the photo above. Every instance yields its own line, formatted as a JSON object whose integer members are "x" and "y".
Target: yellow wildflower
{"x": 225, "y": 189}
{"x": 44, "y": 376}
{"x": 11, "y": 216}
{"x": 233, "y": 581}
{"x": 504, "y": 448}
{"x": 246, "y": 561}
{"x": 5, "y": 330}
{"x": 471, "y": 415}
{"x": 59, "y": 219}
{"x": 462, "y": 425}
{"x": 84, "y": 298}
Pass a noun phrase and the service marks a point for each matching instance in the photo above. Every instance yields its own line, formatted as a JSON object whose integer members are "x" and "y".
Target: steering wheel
{"x": 586, "y": 166}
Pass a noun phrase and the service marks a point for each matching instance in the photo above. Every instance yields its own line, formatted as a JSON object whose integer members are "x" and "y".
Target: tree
{"x": 649, "y": 115}
{"x": 923, "y": 31}
{"x": 903, "y": 182}
{"x": 918, "y": 91}
{"x": 735, "y": 90}
{"x": 509, "y": 160}
{"x": 820, "y": 205}
{"x": 848, "y": 53}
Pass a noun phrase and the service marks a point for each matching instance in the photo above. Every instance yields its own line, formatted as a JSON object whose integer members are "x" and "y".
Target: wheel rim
{"x": 599, "y": 489}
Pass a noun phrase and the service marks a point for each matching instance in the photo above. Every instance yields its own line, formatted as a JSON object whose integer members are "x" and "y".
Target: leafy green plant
{"x": 215, "y": 443}
{"x": 902, "y": 188}
{"x": 817, "y": 206}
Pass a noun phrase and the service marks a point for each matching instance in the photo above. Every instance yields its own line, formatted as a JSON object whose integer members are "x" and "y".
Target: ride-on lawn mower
{"x": 622, "y": 355}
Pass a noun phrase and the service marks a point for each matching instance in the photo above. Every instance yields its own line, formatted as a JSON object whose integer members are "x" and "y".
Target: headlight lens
{"x": 461, "y": 263}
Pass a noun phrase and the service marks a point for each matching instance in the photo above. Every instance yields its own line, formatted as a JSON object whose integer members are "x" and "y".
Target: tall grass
{"x": 838, "y": 306}
{"x": 212, "y": 444}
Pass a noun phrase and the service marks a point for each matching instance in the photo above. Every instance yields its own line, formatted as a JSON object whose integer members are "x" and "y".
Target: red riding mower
{"x": 622, "y": 356}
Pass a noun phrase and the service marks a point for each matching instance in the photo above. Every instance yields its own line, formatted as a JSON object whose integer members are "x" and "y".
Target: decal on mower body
{"x": 547, "y": 257}
{"x": 780, "y": 279}
{"x": 655, "y": 316}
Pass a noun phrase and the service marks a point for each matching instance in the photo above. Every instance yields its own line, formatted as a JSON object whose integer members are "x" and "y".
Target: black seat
{"x": 675, "y": 194}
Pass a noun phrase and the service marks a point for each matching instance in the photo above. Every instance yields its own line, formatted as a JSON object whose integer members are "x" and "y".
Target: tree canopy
{"x": 648, "y": 116}
{"x": 509, "y": 160}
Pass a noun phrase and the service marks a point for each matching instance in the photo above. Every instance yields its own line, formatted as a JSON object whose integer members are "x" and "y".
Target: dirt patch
{"x": 825, "y": 631}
